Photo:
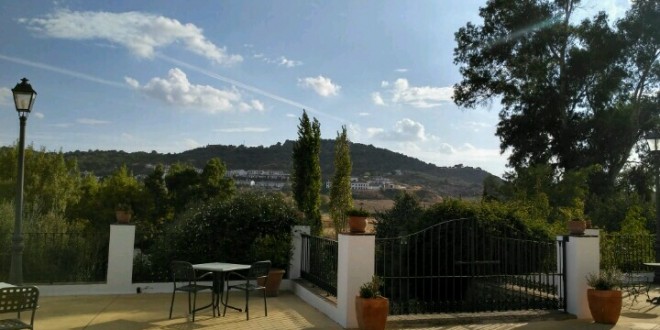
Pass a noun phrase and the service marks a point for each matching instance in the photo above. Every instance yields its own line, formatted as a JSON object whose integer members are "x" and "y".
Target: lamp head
{"x": 24, "y": 97}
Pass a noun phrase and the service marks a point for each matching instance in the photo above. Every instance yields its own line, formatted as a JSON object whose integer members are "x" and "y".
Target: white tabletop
{"x": 5, "y": 285}
{"x": 220, "y": 267}
{"x": 652, "y": 264}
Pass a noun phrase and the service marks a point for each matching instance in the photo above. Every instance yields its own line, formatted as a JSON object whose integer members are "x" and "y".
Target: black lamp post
{"x": 653, "y": 140}
{"x": 24, "y": 97}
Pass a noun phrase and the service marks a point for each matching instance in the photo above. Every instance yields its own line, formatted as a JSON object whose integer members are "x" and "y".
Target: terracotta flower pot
{"x": 372, "y": 313}
{"x": 577, "y": 227}
{"x": 605, "y": 305}
{"x": 357, "y": 224}
{"x": 123, "y": 216}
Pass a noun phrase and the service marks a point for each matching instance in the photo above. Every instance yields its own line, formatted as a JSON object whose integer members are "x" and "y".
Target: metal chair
{"x": 18, "y": 299}
{"x": 184, "y": 273}
{"x": 258, "y": 270}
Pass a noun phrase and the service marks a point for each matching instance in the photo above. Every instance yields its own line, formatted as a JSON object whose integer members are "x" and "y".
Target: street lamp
{"x": 653, "y": 140}
{"x": 24, "y": 97}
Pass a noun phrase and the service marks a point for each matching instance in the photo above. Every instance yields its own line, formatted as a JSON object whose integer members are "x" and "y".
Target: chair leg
{"x": 194, "y": 305}
{"x": 172, "y": 304}
{"x": 265, "y": 306}
{"x": 247, "y": 303}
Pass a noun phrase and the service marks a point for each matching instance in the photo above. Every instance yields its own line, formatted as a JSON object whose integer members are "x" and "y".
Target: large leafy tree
{"x": 306, "y": 178}
{"x": 572, "y": 95}
{"x": 341, "y": 198}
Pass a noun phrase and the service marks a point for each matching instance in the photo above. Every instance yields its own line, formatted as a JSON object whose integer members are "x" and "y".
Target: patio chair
{"x": 18, "y": 299}
{"x": 183, "y": 273}
{"x": 258, "y": 270}
{"x": 635, "y": 283}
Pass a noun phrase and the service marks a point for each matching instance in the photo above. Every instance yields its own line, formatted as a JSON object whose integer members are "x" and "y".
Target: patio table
{"x": 5, "y": 285}
{"x": 655, "y": 300}
{"x": 219, "y": 269}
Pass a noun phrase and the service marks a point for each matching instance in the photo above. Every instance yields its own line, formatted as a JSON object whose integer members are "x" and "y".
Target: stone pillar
{"x": 356, "y": 263}
{"x": 296, "y": 258}
{"x": 582, "y": 259}
{"x": 120, "y": 258}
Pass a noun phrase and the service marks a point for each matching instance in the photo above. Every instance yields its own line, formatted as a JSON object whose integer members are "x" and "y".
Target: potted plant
{"x": 371, "y": 308}
{"x": 604, "y": 297}
{"x": 279, "y": 251}
{"x": 123, "y": 213}
{"x": 357, "y": 220}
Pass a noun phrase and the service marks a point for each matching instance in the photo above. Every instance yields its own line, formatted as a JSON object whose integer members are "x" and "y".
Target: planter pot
{"x": 123, "y": 216}
{"x": 605, "y": 305}
{"x": 357, "y": 224}
{"x": 372, "y": 313}
{"x": 577, "y": 227}
{"x": 273, "y": 282}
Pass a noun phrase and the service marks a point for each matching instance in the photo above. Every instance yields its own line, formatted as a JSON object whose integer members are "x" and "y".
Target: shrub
{"x": 371, "y": 289}
{"x": 608, "y": 279}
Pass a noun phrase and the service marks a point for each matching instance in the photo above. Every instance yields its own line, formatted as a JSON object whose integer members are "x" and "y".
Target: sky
{"x": 170, "y": 76}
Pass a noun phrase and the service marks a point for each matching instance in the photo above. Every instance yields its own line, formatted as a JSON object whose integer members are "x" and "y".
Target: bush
{"x": 608, "y": 279}
{"x": 249, "y": 227}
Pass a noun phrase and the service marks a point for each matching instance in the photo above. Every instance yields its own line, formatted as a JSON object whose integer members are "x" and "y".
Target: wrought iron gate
{"x": 465, "y": 266}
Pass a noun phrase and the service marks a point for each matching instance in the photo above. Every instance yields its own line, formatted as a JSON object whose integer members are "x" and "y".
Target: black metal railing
{"x": 626, "y": 252}
{"x": 461, "y": 266}
{"x": 319, "y": 262}
{"x": 60, "y": 258}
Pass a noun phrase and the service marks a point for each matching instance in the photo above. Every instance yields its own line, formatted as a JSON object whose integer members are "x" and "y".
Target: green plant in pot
{"x": 123, "y": 212}
{"x": 371, "y": 308}
{"x": 357, "y": 220}
{"x": 605, "y": 298}
{"x": 278, "y": 250}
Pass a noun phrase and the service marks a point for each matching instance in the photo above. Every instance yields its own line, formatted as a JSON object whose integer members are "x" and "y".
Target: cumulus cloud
{"x": 400, "y": 92}
{"x": 321, "y": 85}
{"x": 141, "y": 33}
{"x": 377, "y": 98}
{"x": 405, "y": 130}
{"x": 177, "y": 90}
{"x": 39, "y": 115}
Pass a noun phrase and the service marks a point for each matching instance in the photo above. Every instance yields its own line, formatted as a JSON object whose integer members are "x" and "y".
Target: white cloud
{"x": 402, "y": 70}
{"x": 419, "y": 97}
{"x": 5, "y": 96}
{"x": 175, "y": 89}
{"x": 290, "y": 115}
{"x": 243, "y": 130}
{"x": 39, "y": 115}
{"x": 364, "y": 114}
{"x": 140, "y": 33}
{"x": 321, "y": 85}
{"x": 405, "y": 130}
{"x": 89, "y": 121}
{"x": 377, "y": 98}
{"x": 283, "y": 61}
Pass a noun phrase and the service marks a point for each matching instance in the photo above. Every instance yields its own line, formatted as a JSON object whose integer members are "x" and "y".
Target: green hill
{"x": 367, "y": 161}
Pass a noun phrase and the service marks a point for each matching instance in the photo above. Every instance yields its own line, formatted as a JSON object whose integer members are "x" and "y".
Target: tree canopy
{"x": 572, "y": 95}
{"x": 306, "y": 177}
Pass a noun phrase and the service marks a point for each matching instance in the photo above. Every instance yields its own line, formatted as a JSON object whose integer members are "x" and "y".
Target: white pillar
{"x": 120, "y": 258}
{"x": 356, "y": 263}
{"x": 582, "y": 259}
{"x": 296, "y": 258}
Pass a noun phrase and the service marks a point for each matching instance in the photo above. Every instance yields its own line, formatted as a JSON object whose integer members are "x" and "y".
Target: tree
{"x": 214, "y": 183}
{"x": 571, "y": 95}
{"x": 341, "y": 199}
{"x": 306, "y": 178}
{"x": 183, "y": 182}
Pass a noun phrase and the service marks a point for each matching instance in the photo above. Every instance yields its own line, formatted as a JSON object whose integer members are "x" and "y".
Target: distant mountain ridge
{"x": 367, "y": 160}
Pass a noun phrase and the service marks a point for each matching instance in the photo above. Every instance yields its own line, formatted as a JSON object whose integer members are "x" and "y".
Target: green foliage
{"x": 371, "y": 289}
{"x": 306, "y": 177}
{"x": 608, "y": 279}
{"x": 357, "y": 212}
{"x": 401, "y": 219}
{"x": 235, "y": 230}
{"x": 564, "y": 101}
{"x": 341, "y": 198}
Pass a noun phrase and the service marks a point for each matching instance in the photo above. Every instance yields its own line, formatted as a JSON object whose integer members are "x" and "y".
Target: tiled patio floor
{"x": 150, "y": 311}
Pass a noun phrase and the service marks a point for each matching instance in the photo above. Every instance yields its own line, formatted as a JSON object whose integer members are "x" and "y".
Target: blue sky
{"x": 175, "y": 75}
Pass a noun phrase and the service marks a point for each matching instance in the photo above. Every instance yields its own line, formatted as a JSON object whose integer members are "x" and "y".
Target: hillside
{"x": 367, "y": 160}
